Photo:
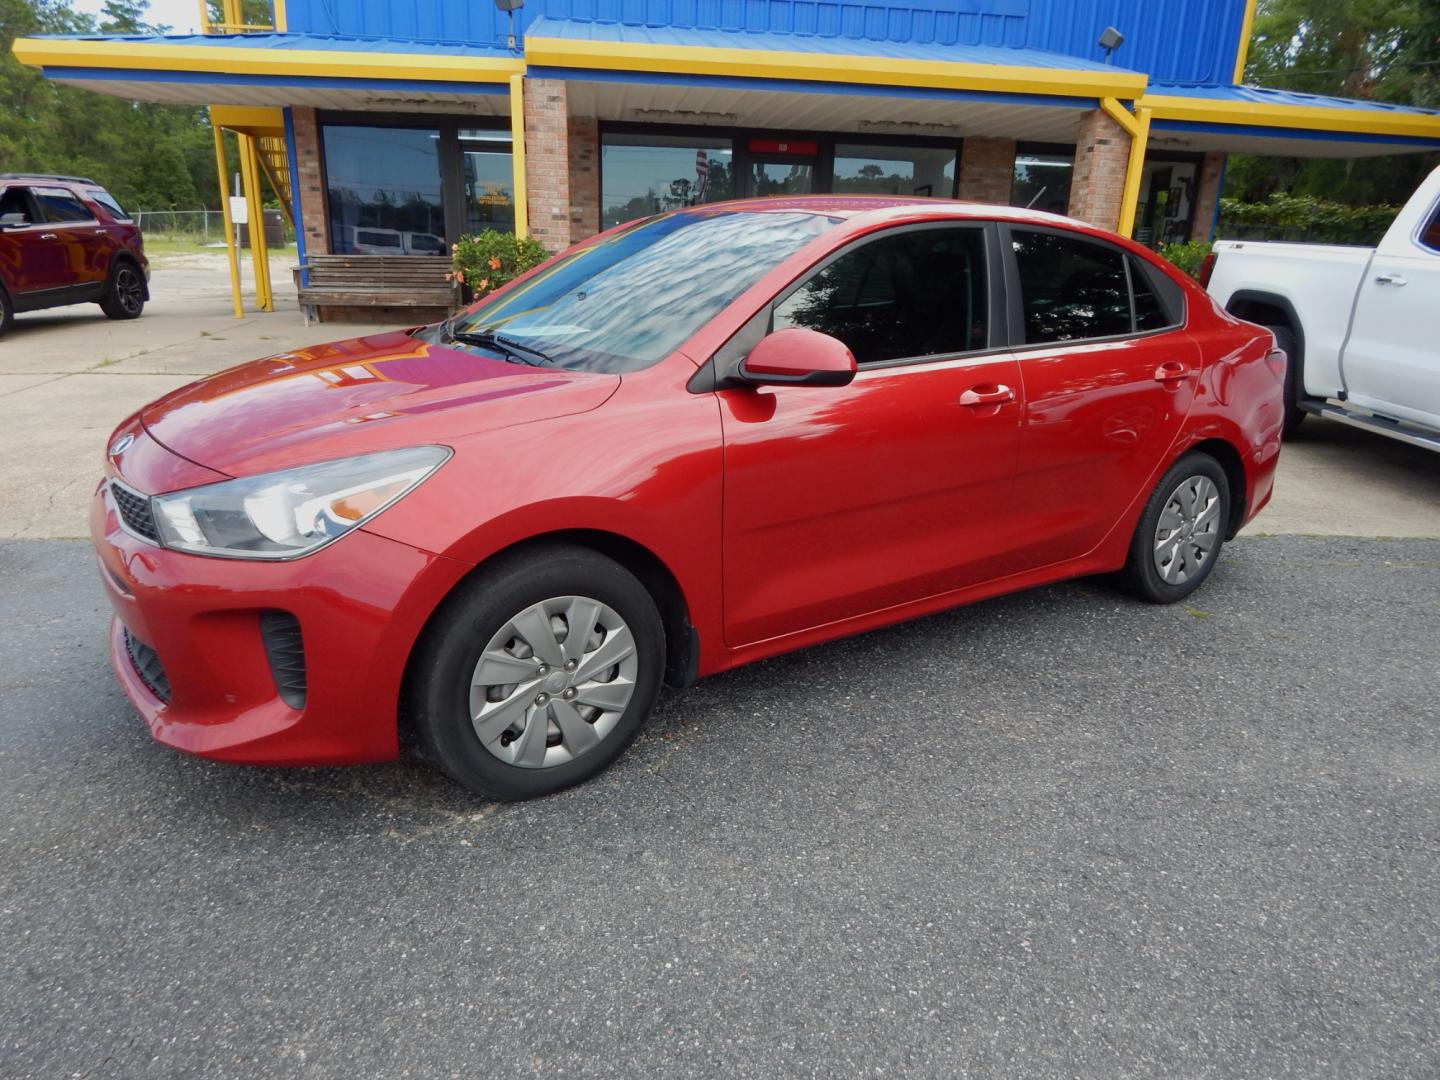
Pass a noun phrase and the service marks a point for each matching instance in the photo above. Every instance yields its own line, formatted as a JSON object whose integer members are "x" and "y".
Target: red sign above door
{"x": 786, "y": 146}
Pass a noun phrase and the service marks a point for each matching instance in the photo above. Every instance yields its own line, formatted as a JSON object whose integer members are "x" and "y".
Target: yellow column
{"x": 1134, "y": 173}
{"x": 517, "y": 154}
{"x": 259, "y": 256}
{"x": 230, "y": 241}
{"x": 1242, "y": 53}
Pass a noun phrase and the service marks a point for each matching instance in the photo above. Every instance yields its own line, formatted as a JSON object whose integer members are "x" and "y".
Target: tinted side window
{"x": 915, "y": 293}
{"x": 59, "y": 206}
{"x": 1430, "y": 234}
{"x": 15, "y": 200}
{"x": 1070, "y": 288}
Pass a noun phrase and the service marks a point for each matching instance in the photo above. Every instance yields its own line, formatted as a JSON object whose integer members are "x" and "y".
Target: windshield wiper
{"x": 488, "y": 340}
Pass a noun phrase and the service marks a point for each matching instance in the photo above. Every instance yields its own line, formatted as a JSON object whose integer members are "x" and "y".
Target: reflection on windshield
{"x": 628, "y": 302}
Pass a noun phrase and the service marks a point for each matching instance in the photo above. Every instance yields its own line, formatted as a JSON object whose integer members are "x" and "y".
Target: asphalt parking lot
{"x": 1057, "y": 834}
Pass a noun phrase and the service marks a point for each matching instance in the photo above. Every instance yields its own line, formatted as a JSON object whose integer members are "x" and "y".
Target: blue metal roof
{"x": 1168, "y": 39}
{"x": 839, "y": 47}
{"x": 308, "y": 42}
{"x": 1263, "y": 95}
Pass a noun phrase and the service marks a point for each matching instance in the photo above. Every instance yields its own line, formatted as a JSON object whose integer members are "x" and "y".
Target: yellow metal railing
{"x": 233, "y": 21}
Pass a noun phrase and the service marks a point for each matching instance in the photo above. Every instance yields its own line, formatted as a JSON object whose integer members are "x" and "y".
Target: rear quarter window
{"x": 109, "y": 203}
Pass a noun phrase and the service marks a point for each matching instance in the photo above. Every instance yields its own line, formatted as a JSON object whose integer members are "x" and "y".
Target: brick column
{"x": 987, "y": 169}
{"x": 584, "y": 133}
{"x": 1207, "y": 195}
{"x": 1102, "y": 150}
{"x": 313, "y": 218}
{"x": 547, "y": 161}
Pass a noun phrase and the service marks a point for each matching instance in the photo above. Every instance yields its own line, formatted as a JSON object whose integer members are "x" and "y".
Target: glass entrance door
{"x": 487, "y": 181}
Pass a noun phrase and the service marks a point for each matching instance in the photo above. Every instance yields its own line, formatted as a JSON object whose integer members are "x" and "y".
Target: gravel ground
{"x": 1058, "y": 834}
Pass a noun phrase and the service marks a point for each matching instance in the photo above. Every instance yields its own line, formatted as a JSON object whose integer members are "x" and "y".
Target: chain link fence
{"x": 203, "y": 227}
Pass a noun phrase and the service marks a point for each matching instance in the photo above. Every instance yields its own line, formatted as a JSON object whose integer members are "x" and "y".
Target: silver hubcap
{"x": 553, "y": 682}
{"x": 1189, "y": 530}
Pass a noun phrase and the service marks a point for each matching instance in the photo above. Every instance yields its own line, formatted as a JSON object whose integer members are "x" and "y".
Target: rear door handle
{"x": 1170, "y": 371}
{"x": 987, "y": 395}
{"x": 1390, "y": 279}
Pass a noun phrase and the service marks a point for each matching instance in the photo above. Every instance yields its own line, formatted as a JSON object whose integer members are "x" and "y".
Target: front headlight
{"x": 282, "y": 515}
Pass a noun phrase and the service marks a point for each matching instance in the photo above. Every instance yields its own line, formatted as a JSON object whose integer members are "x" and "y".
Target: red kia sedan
{"x": 691, "y": 442}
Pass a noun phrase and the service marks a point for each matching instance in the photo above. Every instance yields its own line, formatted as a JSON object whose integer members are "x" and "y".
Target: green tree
{"x": 1371, "y": 50}
{"x": 153, "y": 157}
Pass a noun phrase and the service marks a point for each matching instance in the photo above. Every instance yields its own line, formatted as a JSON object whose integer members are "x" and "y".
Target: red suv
{"x": 66, "y": 240}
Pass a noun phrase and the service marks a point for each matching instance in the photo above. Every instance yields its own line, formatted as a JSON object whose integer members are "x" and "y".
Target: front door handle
{"x": 987, "y": 395}
{"x": 1391, "y": 278}
{"x": 1170, "y": 371}
{"x": 48, "y": 236}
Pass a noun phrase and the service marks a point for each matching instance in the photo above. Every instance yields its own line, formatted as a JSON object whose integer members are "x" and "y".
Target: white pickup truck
{"x": 1361, "y": 326}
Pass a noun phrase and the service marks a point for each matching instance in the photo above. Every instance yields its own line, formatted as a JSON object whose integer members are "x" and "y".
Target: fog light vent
{"x": 146, "y": 663}
{"x": 286, "y": 652}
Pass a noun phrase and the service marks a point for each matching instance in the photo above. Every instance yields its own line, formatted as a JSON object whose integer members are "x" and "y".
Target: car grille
{"x": 147, "y": 665}
{"x": 135, "y": 511}
{"x": 286, "y": 651}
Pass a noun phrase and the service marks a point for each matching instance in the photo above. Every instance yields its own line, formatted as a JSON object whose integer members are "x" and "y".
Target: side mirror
{"x": 13, "y": 221}
{"x": 799, "y": 357}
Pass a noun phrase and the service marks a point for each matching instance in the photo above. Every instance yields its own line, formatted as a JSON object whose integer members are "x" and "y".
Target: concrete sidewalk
{"x": 70, "y": 375}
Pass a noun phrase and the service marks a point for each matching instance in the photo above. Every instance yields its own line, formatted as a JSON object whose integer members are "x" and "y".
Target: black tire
{"x": 439, "y": 679}
{"x": 125, "y": 295}
{"x": 1141, "y": 576}
{"x": 1294, "y": 388}
{"x": 7, "y": 311}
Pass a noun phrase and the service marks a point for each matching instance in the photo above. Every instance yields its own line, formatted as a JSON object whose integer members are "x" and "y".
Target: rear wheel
{"x": 537, "y": 673}
{"x": 1294, "y": 388}
{"x": 1180, "y": 533}
{"x": 7, "y": 312}
{"x": 125, "y": 297}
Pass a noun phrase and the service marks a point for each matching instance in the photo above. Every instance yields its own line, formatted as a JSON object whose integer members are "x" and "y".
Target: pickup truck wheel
{"x": 125, "y": 298}
{"x": 1294, "y": 391}
{"x": 537, "y": 673}
{"x": 1180, "y": 533}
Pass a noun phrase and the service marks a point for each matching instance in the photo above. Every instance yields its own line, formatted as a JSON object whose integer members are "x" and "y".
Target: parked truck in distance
{"x": 1361, "y": 326}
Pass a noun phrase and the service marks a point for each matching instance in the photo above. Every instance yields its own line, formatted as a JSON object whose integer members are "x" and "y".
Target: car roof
{"x": 52, "y": 178}
{"x": 880, "y": 208}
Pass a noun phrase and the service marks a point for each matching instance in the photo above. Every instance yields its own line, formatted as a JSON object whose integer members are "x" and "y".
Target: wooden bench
{"x": 375, "y": 281}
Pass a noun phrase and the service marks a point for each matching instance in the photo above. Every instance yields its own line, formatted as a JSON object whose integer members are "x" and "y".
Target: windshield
{"x": 627, "y": 302}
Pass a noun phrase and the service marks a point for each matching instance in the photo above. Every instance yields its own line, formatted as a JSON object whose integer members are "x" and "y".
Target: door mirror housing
{"x": 799, "y": 357}
{"x": 13, "y": 221}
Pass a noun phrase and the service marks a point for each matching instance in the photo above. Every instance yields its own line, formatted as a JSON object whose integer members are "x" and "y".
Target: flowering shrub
{"x": 484, "y": 261}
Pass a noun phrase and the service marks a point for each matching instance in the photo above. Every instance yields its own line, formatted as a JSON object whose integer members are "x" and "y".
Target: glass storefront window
{"x": 648, "y": 174}
{"x": 384, "y": 190}
{"x": 782, "y": 178}
{"x": 1042, "y": 181}
{"x": 894, "y": 170}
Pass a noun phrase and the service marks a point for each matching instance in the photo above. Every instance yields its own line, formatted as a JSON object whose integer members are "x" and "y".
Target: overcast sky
{"x": 182, "y": 16}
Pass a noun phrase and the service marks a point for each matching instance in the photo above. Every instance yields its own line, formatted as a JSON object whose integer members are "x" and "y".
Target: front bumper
{"x": 360, "y": 604}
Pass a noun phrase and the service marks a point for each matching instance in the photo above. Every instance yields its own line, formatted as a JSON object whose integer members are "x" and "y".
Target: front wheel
{"x": 125, "y": 298}
{"x": 7, "y": 313}
{"x": 537, "y": 673}
{"x": 1180, "y": 533}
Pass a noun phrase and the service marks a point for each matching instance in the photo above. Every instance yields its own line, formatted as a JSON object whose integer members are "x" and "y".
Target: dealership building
{"x": 394, "y": 128}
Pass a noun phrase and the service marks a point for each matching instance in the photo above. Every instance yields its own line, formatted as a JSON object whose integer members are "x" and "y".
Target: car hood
{"x": 356, "y": 396}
